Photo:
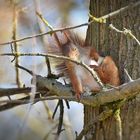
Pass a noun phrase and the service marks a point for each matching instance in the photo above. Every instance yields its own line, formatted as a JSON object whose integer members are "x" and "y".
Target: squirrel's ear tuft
{"x": 74, "y": 38}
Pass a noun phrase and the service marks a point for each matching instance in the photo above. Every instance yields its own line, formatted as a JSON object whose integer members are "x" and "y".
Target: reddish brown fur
{"x": 79, "y": 77}
{"x": 107, "y": 71}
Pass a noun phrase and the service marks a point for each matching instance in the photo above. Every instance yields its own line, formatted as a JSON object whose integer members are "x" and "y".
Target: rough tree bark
{"x": 126, "y": 53}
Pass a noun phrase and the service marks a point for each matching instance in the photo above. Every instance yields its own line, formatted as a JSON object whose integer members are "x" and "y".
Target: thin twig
{"x": 125, "y": 32}
{"x": 50, "y": 132}
{"x": 67, "y": 104}
{"x": 48, "y": 110}
{"x": 129, "y": 77}
{"x": 23, "y": 68}
{"x": 14, "y": 103}
{"x": 12, "y": 50}
{"x": 55, "y": 110}
{"x": 59, "y": 129}
{"x": 15, "y": 43}
{"x": 53, "y": 76}
{"x": 26, "y": 100}
{"x": 44, "y": 20}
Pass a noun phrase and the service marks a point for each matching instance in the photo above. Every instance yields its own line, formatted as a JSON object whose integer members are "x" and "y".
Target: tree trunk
{"x": 126, "y": 53}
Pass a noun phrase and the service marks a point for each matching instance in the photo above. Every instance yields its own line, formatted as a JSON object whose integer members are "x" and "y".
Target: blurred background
{"x": 34, "y": 121}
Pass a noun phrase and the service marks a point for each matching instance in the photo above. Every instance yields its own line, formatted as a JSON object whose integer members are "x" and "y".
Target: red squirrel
{"x": 80, "y": 78}
{"x": 105, "y": 67}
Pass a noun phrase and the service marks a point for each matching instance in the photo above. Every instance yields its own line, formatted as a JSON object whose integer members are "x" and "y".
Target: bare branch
{"x": 47, "y": 33}
{"x": 14, "y": 37}
{"x": 54, "y": 87}
{"x": 24, "y": 100}
{"x": 59, "y": 129}
{"x": 92, "y": 72}
{"x": 77, "y": 26}
{"x": 124, "y": 91}
{"x": 125, "y": 32}
{"x": 8, "y": 104}
{"x": 23, "y": 68}
{"x": 127, "y": 74}
{"x": 13, "y": 91}
{"x": 55, "y": 110}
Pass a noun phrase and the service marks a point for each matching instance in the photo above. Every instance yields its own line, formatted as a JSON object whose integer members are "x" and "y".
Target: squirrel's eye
{"x": 74, "y": 48}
